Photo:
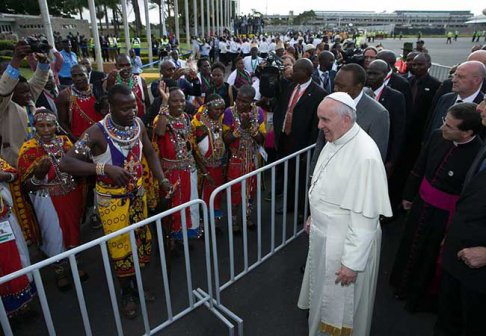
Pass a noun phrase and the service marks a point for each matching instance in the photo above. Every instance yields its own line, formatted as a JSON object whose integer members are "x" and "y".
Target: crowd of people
{"x": 389, "y": 138}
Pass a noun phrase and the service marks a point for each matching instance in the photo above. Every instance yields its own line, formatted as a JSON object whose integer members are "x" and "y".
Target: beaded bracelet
{"x": 100, "y": 169}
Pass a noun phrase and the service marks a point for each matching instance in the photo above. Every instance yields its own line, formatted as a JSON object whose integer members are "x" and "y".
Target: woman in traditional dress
{"x": 207, "y": 126}
{"x": 244, "y": 133}
{"x": 239, "y": 76}
{"x": 58, "y": 199}
{"x": 173, "y": 140}
{"x": 219, "y": 86}
{"x": 14, "y": 255}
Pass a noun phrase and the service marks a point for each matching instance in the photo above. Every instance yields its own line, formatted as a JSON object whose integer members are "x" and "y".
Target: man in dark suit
{"x": 463, "y": 287}
{"x": 446, "y": 86}
{"x": 394, "y": 102}
{"x": 371, "y": 116}
{"x": 466, "y": 87}
{"x": 96, "y": 78}
{"x": 324, "y": 75}
{"x": 295, "y": 121}
{"x": 394, "y": 80}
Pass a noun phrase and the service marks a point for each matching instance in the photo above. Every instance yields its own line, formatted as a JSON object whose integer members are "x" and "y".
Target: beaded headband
{"x": 216, "y": 103}
{"x": 42, "y": 116}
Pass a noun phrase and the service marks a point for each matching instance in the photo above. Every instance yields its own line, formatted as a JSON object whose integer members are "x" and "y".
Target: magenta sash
{"x": 437, "y": 198}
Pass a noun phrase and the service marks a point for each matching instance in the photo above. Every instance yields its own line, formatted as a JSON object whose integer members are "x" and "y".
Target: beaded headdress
{"x": 216, "y": 103}
{"x": 43, "y": 115}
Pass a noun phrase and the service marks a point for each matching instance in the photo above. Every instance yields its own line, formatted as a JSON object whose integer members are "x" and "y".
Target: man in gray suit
{"x": 371, "y": 116}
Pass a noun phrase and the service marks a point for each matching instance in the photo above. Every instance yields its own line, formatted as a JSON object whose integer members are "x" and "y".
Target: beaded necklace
{"x": 129, "y": 82}
{"x": 63, "y": 183}
{"x": 82, "y": 95}
{"x": 181, "y": 130}
{"x": 215, "y": 134}
{"x": 125, "y": 136}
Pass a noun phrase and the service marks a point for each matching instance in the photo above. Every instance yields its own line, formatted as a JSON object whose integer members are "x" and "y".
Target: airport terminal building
{"x": 406, "y": 21}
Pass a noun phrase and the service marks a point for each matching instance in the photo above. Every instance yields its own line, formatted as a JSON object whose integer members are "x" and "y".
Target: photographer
{"x": 352, "y": 54}
{"x": 17, "y": 97}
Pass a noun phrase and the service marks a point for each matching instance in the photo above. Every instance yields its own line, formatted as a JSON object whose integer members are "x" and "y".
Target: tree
{"x": 304, "y": 17}
{"x": 138, "y": 18}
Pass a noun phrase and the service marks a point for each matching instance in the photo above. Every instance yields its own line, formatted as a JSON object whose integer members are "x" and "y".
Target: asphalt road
{"x": 440, "y": 52}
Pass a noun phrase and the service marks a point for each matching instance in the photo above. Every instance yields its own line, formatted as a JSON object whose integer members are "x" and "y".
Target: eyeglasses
{"x": 448, "y": 126}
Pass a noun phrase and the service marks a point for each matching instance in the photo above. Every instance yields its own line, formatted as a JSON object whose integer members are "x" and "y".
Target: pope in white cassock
{"x": 347, "y": 195}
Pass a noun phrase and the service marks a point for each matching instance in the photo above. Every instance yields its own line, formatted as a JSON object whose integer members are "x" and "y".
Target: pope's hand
{"x": 345, "y": 276}
{"x": 307, "y": 224}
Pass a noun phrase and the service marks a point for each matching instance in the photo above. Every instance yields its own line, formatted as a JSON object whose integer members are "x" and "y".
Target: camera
{"x": 352, "y": 55}
{"x": 38, "y": 46}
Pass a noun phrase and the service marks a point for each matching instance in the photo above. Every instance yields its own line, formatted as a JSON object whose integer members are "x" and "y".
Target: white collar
{"x": 305, "y": 85}
{"x": 469, "y": 99}
{"x": 351, "y": 133}
{"x": 465, "y": 142}
{"x": 358, "y": 98}
{"x": 378, "y": 91}
{"x": 388, "y": 76}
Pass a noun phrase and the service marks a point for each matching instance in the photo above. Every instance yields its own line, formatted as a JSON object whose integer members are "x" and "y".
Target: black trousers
{"x": 461, "y": 310}
{"x": 285, "y": 148}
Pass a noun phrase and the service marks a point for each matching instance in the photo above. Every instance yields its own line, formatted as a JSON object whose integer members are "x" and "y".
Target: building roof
{"x": 477, "y": 19}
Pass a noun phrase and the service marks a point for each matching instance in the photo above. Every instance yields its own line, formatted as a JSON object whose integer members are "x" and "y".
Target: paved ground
{"x": 265, "y": 299}
{"x": 441, "y": 53}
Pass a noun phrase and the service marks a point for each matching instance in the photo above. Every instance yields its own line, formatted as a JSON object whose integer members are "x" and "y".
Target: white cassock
{"x": 347, "y": 195}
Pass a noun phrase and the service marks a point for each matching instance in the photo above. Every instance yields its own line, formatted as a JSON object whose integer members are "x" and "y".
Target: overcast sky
{"x": 284, "y": 6}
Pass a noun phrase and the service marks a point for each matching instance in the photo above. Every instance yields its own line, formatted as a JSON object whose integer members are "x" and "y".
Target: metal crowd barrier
{"x": 275, "y": 245}
{"x": 197, "y": 297}
{"x": 441, "y": 72}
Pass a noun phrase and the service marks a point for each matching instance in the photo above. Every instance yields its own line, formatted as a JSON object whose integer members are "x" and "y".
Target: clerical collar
{"x": 468, "y": 99}
{"x": 463, "y": 143}
{"x": 358, "y": 98}
{"x": 351, "y": 133}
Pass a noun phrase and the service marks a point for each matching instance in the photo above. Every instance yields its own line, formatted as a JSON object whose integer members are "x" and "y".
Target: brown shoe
{"x": 63, "y": 282}
{"x": 83, "y": 276}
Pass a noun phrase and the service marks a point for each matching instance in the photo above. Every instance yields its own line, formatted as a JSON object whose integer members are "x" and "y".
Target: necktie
{"x": 459, "y": 101}
{"x": 325, "y": 82}
{"x": 290, "y": 110}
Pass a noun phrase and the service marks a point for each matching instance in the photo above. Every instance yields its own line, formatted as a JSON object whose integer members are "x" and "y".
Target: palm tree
{"x": 138, "y": 18}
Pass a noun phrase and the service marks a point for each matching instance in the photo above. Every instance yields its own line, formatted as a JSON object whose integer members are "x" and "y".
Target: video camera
{"x": 38, "y": 46}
